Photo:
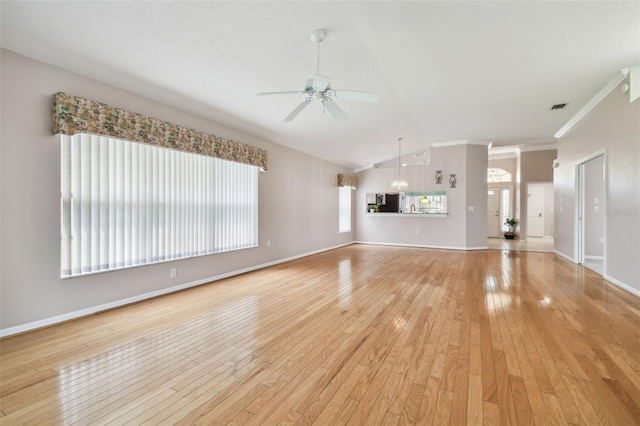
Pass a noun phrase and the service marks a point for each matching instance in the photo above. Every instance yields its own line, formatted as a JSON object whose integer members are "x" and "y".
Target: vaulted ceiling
{"x": 444, "y": 71}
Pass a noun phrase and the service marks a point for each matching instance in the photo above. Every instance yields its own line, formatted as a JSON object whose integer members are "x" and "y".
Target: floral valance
{"x": 348, "y": 180}
{"x": 73, "y": 114}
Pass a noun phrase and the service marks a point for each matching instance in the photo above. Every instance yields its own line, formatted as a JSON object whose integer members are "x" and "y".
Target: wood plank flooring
{"x": 542, "y": 244}
{"x": 359, "y": 335}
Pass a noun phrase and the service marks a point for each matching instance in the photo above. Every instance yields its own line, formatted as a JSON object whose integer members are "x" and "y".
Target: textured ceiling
{"x": 444, "y": 71}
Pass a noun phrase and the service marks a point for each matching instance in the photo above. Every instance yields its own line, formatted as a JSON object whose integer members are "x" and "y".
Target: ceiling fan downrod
{"x": 317, "y": 36}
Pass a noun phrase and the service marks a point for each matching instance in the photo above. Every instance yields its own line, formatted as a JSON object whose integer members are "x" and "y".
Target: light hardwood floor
{"x": 543, "y": 244}
{"x": 359, "y": 335}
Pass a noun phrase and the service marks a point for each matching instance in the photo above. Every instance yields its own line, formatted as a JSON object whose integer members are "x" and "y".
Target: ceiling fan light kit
{"x": 318, "y": 87}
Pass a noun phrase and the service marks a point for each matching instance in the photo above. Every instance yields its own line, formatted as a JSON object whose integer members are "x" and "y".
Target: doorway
{"x": 535, "y": 210}
{"x": 590, "y": 233}
{"x": 498, "y": 210}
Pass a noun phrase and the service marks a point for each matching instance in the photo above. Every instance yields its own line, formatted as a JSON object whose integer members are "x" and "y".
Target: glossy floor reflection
{"x": 596, "y": 265}
{"x": 542, "y": 244}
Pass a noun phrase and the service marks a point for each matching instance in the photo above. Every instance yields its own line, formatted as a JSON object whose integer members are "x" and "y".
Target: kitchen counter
{"x": 404, "y": 215}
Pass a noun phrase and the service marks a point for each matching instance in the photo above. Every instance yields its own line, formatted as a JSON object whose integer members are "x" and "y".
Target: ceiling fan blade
{"x": 297, "y": 111}
{"x": 335, "y": 110}
{"x": 356, "y": 96}
{"x": 295, "y": 92}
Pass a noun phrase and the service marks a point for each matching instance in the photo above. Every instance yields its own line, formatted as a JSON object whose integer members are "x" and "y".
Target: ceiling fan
{"x": 318, "y": 87}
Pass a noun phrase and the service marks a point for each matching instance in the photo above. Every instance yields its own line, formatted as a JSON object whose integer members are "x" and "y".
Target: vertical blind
{"x": 126, "y": 204}
{"x": 344, "y": 209}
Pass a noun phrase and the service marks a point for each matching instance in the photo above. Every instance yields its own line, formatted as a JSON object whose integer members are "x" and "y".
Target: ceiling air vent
{"x": 558, "y": 106}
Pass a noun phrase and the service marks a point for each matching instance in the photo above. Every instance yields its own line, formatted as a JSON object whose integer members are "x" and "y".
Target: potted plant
{"x": 511, "y": 223}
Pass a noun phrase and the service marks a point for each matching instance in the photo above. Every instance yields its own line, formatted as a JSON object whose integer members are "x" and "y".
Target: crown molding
{"x": 540, "y": 147}
{"x": 502, "y": 155}
{"x": 634, "y": 84}
{"x": 462, "y": 142}
{"x": 595, "y": 100}
{"x": 362, "y": 169}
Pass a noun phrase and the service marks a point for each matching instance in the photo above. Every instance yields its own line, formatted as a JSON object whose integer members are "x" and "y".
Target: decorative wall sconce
{"x": 438, "y": 177}
{"x": 452, "y": 180}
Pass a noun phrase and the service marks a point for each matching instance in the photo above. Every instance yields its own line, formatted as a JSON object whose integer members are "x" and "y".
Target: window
{"x": 125, "y": 204}
{"x": 498, "y": 175}
{"x": 344, "y": 209}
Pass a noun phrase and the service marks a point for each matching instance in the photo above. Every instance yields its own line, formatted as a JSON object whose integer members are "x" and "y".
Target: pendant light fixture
{"x": 399, "y": 184}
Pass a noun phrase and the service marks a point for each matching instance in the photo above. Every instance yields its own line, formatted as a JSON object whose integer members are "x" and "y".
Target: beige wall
{"x": 508, "y": 164}
{"x": 613, "y": 127}
{"x": 298, "y": 204}
{"x": 535, "y": 166}
{"x": 461, "y": 229}
{"x": 476, "y": 189}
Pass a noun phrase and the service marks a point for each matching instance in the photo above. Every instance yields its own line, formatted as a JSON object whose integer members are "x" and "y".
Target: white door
{"x": 535, "y": 210}
{"x": 493, "y": 212}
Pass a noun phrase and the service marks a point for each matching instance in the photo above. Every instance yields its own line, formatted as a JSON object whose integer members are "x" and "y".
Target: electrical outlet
{"x": 268, "y": 243}
{"x": 173, "y": 272}
{"x": 417, "y": 232}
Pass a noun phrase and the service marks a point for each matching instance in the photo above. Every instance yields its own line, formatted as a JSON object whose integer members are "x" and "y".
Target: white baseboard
{"x": 122, "y": 302}
{"x": 622, "y": 285}
{"x": 593, "y": 257}
{"x": 606, "y": 277}
{"x": 422, "y": 246}
{"x": 564, "y": 256}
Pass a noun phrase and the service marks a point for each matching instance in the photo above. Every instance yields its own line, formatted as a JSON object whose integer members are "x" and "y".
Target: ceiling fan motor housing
{"x": 317, "y": 83}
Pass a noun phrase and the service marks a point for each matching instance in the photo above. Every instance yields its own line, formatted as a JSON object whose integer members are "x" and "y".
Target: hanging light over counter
{"x": 399, "y": 183}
